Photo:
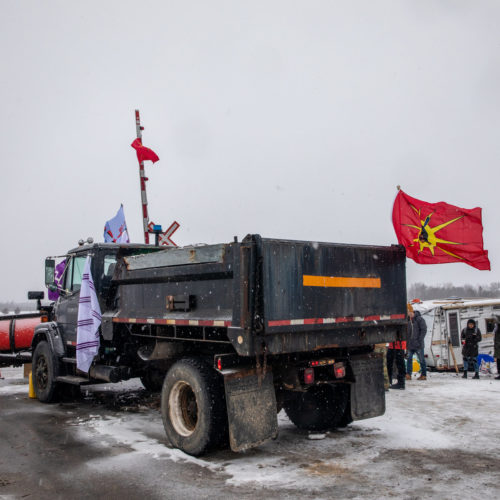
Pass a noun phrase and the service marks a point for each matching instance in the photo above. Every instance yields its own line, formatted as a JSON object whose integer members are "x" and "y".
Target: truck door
{"x": 454, "y": 333}
{"x": 67, "y": 307}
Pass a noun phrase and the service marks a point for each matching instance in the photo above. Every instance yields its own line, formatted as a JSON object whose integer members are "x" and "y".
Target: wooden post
{"x": 450, "y": 346}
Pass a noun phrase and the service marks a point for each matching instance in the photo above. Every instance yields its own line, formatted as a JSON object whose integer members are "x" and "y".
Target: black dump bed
{"x": 287, "y": 295}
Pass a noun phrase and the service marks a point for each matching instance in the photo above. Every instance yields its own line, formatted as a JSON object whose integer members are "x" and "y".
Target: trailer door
{"x": 454, "y": 332}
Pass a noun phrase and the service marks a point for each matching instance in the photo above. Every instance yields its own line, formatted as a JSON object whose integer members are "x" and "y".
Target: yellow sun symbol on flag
{"x": 427, "y": 235}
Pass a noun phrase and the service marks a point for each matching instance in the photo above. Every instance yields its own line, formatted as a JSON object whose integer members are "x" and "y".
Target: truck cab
{"x": 104, "y": 257}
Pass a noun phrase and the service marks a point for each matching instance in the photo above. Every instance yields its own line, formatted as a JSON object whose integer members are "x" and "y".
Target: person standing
{"x": 471, "y": 336}
{"x": 416, "y": 334}
{"x": 496, "y": 352}
{"x": 396, "y": 353}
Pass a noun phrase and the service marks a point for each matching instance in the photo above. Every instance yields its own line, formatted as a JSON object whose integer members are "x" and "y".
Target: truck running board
{"x": 73, "y": 380}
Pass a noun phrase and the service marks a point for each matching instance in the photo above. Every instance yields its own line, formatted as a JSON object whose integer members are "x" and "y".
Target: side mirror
{"x": 50, "y": 271}
{"x": 54, "y": 288}
{"x": 38, "y": 296}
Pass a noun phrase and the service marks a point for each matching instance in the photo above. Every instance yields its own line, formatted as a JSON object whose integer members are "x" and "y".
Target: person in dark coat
{"x": 496, "y": 353}
{"x": 471, "y": 336}
{"x": 417, "y": 329}
{"x": 396, "y": 353}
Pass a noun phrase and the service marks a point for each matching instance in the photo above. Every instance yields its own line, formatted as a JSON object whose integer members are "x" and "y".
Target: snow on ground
{"x": 438, "y": 437}
{"x": 16, "y": 383}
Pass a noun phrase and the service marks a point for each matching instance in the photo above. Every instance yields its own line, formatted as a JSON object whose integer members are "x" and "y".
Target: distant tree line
{"x": 16, "y": 307}
{"x": 446, "y": 290}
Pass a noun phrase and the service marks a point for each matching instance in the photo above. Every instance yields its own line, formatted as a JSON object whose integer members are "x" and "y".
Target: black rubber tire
{"x": 152, "y": 380}
{"x": 346, "y": 418}
{"x": 318, "y": 409}
{"x": 45, "y": 370}
{"x": 193, "y": 407}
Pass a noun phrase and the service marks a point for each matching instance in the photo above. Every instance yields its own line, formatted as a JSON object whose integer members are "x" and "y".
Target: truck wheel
{"x": 346, "y": 418}
{"x": 318, "y": 409}
{"x": 45, "y": 370}
{"x": 193, "y": 406}
{"x": 152, "y": 380}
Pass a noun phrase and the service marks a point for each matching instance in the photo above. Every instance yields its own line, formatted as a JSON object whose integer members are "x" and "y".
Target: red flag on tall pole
{"x": 437, "y": 233}
{"x": 144, "y": 153}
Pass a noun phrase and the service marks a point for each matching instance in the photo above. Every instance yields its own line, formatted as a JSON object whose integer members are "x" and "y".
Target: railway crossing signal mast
{"x": 142, "y": 179}
{"x": 143, "y": 153}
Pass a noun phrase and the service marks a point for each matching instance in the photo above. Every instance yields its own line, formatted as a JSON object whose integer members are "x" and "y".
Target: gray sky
{"x": 291, "y": 119}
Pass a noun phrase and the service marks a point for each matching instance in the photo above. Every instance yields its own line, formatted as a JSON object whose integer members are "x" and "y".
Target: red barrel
{"x": 16, "y": 334}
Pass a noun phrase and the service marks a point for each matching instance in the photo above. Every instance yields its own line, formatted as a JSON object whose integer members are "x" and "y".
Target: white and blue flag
{"x": 89, "y": 321}
{"x": 115, "y": 229}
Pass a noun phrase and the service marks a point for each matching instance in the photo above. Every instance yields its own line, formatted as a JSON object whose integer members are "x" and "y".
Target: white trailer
{"x": 445, "y": 319}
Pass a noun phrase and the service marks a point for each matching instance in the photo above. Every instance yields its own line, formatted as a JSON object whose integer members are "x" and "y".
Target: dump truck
{"x": 232, "y": 333}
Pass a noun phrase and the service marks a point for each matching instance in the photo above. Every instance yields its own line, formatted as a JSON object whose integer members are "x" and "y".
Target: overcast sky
{"x": 291, "y": 119}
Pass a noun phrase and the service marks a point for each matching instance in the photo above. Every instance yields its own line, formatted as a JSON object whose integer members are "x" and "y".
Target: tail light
{"x": 309, "y": 376}
{"x": 321, "y": 362}
{"x": 44, "y": 319}
{"x": 339, "y": 370}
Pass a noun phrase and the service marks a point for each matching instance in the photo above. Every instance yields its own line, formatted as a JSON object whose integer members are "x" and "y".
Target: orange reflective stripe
{"x": 340, "y": 282}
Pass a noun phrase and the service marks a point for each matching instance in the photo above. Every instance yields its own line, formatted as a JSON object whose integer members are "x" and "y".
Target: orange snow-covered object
{"x": 16, "y": 332}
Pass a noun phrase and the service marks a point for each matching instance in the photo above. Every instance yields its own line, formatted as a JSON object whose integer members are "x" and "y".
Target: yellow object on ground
{"x": 31, "y": 392}
{"x": 415, "y": 365}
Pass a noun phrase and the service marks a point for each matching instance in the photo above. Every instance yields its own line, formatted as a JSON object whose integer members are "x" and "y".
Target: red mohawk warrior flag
{"x": 144, "y": 153}
{"x": 437, "y": 233}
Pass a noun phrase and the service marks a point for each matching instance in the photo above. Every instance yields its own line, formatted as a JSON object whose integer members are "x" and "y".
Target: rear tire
{"x": 193, "y": 407}
{"x": 319, "y": 408}
{"x": 45, "y": 371}
{"x": 346, "y": 418}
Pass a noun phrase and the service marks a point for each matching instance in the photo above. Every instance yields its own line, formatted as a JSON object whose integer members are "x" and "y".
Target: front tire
{"x": 193, "y": 407}
{"x": 45, "y": 371}
{"x": 319, "y": 408}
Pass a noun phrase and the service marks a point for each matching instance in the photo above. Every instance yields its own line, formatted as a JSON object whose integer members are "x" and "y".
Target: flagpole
{"x": 142, "y": 179}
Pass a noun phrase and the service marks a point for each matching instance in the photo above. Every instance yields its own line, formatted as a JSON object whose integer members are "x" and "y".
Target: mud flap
{"x": 367, "y": 391}
{"x": 251, "y": 408}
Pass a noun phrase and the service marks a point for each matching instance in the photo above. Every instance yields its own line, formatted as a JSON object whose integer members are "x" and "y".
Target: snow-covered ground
{"x": 439, "y": 438}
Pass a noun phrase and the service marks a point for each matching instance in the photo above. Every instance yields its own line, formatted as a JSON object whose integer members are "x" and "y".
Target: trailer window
{"x": 490, "y": 325}
{"x": 454, "y": 333}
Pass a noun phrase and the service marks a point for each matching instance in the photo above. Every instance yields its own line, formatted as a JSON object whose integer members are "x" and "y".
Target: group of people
{"x": 401, "y": 352}
{"x": 400, "y": 349}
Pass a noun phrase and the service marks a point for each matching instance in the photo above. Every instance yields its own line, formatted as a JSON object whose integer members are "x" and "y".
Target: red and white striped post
{"x": 142, "y": 179}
